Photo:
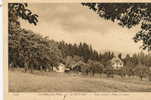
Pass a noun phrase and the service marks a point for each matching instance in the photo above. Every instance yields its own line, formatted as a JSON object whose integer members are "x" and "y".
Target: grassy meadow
{"x": 69, "y": 82}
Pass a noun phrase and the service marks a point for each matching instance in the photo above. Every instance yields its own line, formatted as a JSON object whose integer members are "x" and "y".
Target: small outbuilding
{"x": 60, "y": 68}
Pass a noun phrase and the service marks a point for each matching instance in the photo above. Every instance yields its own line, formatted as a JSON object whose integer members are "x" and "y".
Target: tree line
{"x": 31, "y": 51}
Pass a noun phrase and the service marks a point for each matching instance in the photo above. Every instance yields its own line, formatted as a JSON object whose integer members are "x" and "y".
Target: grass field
{"x": 62, "y": 82}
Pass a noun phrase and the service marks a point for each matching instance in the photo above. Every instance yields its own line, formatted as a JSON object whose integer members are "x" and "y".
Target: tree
{"x": 122, "y": 72}
{"x": 127, "y": 15}
{"x": 109, "y": 71}
{"x": 20, "y": 10}
{"x": 120, "y": 56}
{"x": 95, "y": 67}
{"x": 135, "y": 60}
{"x": 32, "y": 51}
{"x": 128, "y": 61}
{"x": 85, "y": 69}
{"x": 98, "y": 67}
{"x": 141, "y": 71}
{"x": 106, "y": 57}
{"x": 17, "y": 54}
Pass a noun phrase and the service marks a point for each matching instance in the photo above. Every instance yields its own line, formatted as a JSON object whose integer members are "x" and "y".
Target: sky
{"x": 75, "y": 23}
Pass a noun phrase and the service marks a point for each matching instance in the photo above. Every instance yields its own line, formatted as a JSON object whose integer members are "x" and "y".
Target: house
{"x": 60, "y": 68}
{"x": 116, "y": 63}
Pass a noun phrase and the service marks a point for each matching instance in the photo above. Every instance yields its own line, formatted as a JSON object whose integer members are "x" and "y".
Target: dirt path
{"x": 59, "y": 82}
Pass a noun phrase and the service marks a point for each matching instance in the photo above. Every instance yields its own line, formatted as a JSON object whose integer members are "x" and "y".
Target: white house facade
{"x": 117, "y": 63}
{"x": 60, "y": 68}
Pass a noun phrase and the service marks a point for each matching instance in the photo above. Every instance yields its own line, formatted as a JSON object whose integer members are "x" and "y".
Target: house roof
{"x": 116, "y": 60}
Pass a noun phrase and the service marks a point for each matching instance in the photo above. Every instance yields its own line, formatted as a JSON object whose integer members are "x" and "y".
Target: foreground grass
{"x": 61, "y": 82}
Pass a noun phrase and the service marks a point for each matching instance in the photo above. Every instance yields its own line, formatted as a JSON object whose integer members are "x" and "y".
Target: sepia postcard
{"x": 77, "y": 49}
